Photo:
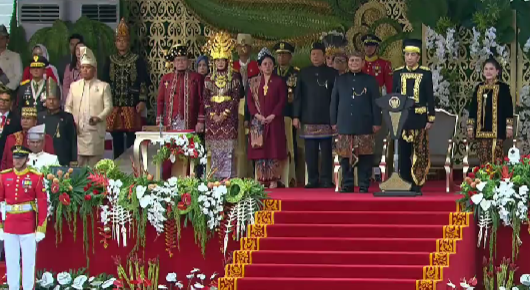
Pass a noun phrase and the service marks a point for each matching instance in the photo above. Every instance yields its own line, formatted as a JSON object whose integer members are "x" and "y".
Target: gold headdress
{"x": 220, "y": 46}
{"x": 123, "y": 29}
{"x": 29, "y": 112}
{"x": 335, "y": 42}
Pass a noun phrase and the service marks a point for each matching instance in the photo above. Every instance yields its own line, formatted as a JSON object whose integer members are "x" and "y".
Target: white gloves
{"x": 39, "y": 237}
{"x": 1, "y": 234}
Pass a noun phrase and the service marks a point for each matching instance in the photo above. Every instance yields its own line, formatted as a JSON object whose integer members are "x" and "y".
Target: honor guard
{"x": 24, "y": 226}
{"x": 38, "y": 158}
{"x": 374, "y": 65}
{"x": 33, "y": 92}
{"x": 415, "y": 81}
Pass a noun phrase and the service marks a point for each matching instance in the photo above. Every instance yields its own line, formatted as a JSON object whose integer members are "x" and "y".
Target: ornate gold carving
{"x": 459, "y": 218}
{"x": 395, "y": 182}
{"x": 250, "y": 244}
{"x": 242, "y": 257}
{"x": 227, "y": 283}
{"x": 235, "y": 270}
{"x": 257, "y": 231}
{"x": 439, "y": 259}
{"x": 264, "y": 217}
{"x": 272, "y": 205}
{"x": 481, "y": 116}
{"x": 425, "y": 285}
{"x": 446, "y": 246}
{"x": 433, "y": 273}
{"x": 453, "y": 232}
{"x": 394, "y": 118}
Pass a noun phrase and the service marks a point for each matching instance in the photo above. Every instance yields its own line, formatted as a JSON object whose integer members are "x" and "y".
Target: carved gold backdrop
{"x": 162, "y": 23}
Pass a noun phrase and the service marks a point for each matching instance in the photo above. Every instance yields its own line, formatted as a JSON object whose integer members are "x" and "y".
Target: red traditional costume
{"x": 25, "y": 219}
{"x": 379, "y": 68}
{"x": 21, "y": 138}
{"x": 223, "y": 90}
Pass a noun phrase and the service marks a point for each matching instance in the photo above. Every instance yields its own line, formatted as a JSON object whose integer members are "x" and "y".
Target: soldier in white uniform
{"x": 38, "y": 158}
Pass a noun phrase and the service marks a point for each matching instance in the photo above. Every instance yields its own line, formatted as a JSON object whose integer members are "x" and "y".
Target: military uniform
{"x": 128, "y": 80}
{"x": 375, "y": 66}
{"x": 354, "y": 111}
{"x": 311, "y": 106}
{"x": 33, "y": 92}
{"x": 490, "y": 116}
{"x": 415, "y": 82}
{"x": 61, "y": 127}
{"x": 25, "y": 222}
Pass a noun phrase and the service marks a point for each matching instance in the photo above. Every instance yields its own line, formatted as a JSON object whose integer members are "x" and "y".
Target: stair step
{"x": 353, "y": 231}
{"x": 334, "y": 271}
{"x": 348, "y": 244}
{"x": 361, "y": 217}
{"x": 368, "y": 203}
{"x": 340, "y": 257}
{"x": 269, "y": 283}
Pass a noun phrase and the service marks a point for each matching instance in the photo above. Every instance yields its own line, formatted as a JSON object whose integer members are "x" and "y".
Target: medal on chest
{"x": 26, "y": 183}
{"x": 377, "y": 70}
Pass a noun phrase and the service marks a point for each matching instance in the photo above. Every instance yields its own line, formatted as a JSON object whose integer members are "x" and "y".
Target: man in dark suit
{"x": 9, "y": 120}
{"x": 356, "y": 118}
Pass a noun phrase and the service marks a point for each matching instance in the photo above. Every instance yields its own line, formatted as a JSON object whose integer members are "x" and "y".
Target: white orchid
{"x": 179, "y": 284}
{"x": 64, "y": 278}
{"x": 195, "y": 270}
{"x": 450, "y": 284}
{"x": 171, "y": 277}
{"x": 108, "y": 283}
{"x": 162, "y": 287}
{"x": 197, "y": 286}
{"x": 79, "y": 281}
{"x": 525, "y": 279}
{"x": 478, "y": 199}
{"x": 46, "y": 280}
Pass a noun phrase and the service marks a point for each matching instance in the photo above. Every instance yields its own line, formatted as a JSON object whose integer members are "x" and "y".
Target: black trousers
{"x": 121, "y": 141}
{"x": 405, "y": 162}
{"x": 312, "y": 147}
{"x": 199, "y": 169}
{"x": 364, "y": 171}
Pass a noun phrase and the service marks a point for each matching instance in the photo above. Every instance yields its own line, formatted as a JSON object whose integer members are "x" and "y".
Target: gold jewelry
{"x": 265, "y": 89}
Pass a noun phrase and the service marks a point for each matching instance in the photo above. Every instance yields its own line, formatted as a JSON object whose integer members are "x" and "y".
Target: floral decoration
{"x": 195, "y": 280}
{"x": 498, "y": 194}
{"x": 182, "y": 146}
{"x": 489, "y": 48}
{"x": 523, "y": 109}
{"x": 133, "y": 275}
{"x": 73, "y": 279}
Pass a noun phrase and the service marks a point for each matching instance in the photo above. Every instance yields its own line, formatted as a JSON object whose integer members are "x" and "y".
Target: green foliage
{"x": 522, "y": 10}
{"x": 345, "y": 9}
{"x": 17, "y": 37}
{"x": 54, "y": 39}
{"x": 426, "y": 12}
{"x": 498, "y": 14}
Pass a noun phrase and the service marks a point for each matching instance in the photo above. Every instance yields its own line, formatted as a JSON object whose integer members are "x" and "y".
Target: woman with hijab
{"x": 72, "y": 72}
{"x": 266, "y": 100}
{"x": 201, "y": 65}
{"x": 51, "y": 71}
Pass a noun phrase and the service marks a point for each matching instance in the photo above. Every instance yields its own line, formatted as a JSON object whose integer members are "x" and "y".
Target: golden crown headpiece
{"x": 123, "y": 29}
{"x": 29, "y": 112}
{"x": 221, "y": 45}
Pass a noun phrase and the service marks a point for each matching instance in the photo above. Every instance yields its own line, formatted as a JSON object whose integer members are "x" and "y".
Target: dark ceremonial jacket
{"x": 61, "y": 127}
{"x": 353, "y": 107}
{"x": 128, "y": 80}
{"x": 491, "y": 110}
{"x": 417, "y": 84}
{"x": 289, "y": 76}
{"x": 313, "y": 94}
{"x": 11, "y": 125}
{"x": 29, "y": 96}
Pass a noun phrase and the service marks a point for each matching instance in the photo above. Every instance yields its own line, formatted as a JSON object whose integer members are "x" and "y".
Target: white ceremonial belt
{"x": 13, "y": 208}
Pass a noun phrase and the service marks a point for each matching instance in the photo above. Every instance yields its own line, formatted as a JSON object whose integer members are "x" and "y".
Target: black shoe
{"x": 327, "y": 185}
{"x": 312, "y": 185}
{"x": 346, "y": 190}
{"x": 363, "y": 190}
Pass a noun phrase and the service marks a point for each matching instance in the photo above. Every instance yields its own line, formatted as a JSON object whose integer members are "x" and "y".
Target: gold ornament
{"x": 122, "y": 30}
{"x": 221, "y": 46}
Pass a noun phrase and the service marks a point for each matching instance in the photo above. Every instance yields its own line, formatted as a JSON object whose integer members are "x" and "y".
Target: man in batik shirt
{"x": 126, "y": 73}
{"x": 222, "y": 92}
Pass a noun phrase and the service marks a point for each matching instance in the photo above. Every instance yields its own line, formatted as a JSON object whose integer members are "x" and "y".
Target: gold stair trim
{"x": 264, "y": 218}
{"x": 257, "y": 231}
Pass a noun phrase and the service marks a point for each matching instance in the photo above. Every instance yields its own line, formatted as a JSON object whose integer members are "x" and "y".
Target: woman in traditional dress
{"x": 72, "y": 72}
{"x": 201, "y": 65}
{"x": 266, "y": 100}
{"x": 222, "y": 91}
{"x": 51, "y": 71}
{"x": 490, "y": 114}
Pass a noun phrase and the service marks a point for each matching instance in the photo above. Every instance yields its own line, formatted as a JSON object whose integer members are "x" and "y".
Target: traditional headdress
{"x": 29, "y": 112}
{"x": 51, "y": 88}
{"x": 38, "y": 62}
{"x": 176, "y": 50}
{"x": 370, "y": 39}
{"x": 334, "y": 41}
{"x": 244, "y": 39}
{"x": 123, "y": 29}
{"x": 283, "y": 46}
{"x": 36, "y": 133}
{"x": 412, "y": 45}
{"x": 221, "y": 45}
{"x": 264, "y": 53}
{"x": 87, "y": 57}
{"x": 20, "y": 151}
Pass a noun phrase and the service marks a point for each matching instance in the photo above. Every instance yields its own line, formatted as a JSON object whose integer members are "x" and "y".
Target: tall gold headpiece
{"x": 123, "y": 29}
{"x": 221, "y": 45}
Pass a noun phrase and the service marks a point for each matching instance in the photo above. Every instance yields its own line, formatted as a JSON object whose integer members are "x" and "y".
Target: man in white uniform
{"x": 38, "y": 158}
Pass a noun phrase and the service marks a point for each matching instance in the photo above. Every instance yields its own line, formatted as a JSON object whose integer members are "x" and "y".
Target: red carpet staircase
{"x": 376, "y": 244}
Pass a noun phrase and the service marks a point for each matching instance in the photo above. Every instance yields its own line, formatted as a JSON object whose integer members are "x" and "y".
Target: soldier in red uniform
{"x": 28, "y": 120}
{"x": 26, "y": 209}
{"x": 379, "y": 68}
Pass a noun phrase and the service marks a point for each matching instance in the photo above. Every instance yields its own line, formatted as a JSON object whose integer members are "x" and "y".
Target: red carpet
{"x": 318, "y": 239}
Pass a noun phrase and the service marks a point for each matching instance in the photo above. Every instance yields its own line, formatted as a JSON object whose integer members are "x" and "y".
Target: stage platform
{"x": 316, "y": 239}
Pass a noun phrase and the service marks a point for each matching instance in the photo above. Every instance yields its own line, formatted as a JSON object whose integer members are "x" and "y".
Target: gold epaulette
{"x": 425, "y": 68}
{"x": 35, "y": 171}
{"x": 24, "y": 82}
{"x": 6, "y": 170}
{"x": 399, "y": 68}
{"x": 296, "y": 68}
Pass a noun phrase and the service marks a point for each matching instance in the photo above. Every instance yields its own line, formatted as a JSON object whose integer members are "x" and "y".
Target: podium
{"x": 179, "y": 168}
{"x": 395, "y": 109}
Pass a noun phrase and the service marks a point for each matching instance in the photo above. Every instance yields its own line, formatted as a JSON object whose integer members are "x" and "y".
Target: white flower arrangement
{"x": 489, "y": 43}
{"x": 117, "y": 214}
{"x": 194, "y": 150}
{"x": 526, "y": 47}
{"x": 524, "y": 118}
{"x": 79, "y": 282}
{"x": 196, "y": 280}
{"x": 152, "y": 201}
{"x": 211, "y": 203}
